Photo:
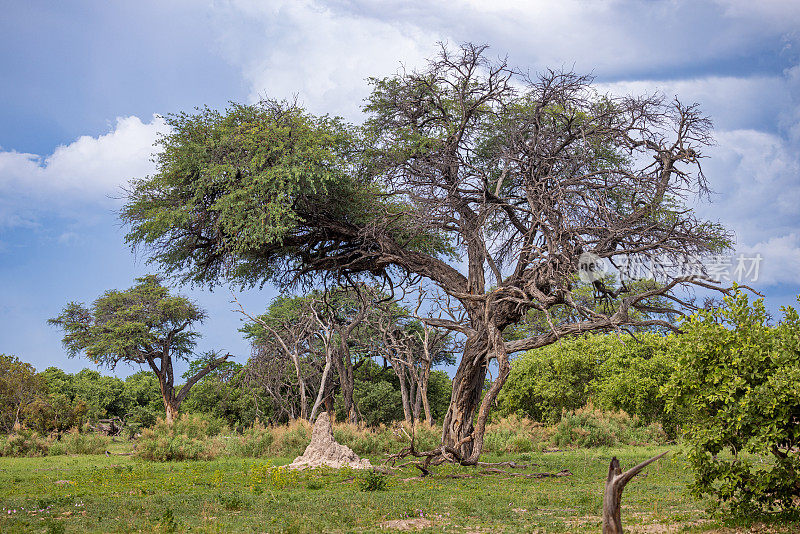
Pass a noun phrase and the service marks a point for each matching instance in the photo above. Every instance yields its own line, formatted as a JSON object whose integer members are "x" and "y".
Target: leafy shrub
{"x": 379, "y": 401}
{"x": 372, "y": 480}
{"x": 739, "y": 378}
{"x": 610, "y": 371}
{"x": 75, "y": 442}
{"x": 24, "y": 442}
{"x": 232, "y": 500}
{"x": 546, "y": 381}
{"x": 592, "y": 427}
{"x": 187, "y": 438}
{"x": 631, "y": 376}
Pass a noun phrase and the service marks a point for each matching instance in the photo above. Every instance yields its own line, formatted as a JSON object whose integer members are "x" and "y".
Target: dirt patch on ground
{"x": 416, "y": 523}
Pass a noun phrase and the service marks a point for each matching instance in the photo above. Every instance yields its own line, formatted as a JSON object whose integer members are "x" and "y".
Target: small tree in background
{"x": 141, "y": 325}
{"x": 19, "y": 387}
{"x": 740, "y": 380}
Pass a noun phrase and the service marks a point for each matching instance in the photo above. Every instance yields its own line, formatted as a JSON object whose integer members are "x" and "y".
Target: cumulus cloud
{"x": 621, "y": 38}
{"x": 90, "y": 170}
{"x": 323, "y": 50}
{"x": 306, "y": 49}
{"x": 757, "y": 177}
{"x": 754, "y": 167}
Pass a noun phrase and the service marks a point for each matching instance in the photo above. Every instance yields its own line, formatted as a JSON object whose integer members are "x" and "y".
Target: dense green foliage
{"x": 134, "y": 325}
{"x": 222, "y": 394}
{"x": 241, "y": 193}
{"x": 613, "y": 372}
{"x": 19, "y": 387}
{"x": 739, "y": 378}
{"x": 377, "y": 394}
{"x": 143, "y": 325}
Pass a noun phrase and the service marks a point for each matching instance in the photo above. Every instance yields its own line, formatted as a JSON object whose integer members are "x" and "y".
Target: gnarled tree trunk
{"x": 468, "y": 385}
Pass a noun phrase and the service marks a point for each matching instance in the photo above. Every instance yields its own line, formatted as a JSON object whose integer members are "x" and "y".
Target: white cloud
{"x": 613, "y": 39}
{"x": 756, "y": 178}
{"x": 780, "y": 15}
{"x": 780, "y": 262}
{"x": 754, "y": 167}
{"x": 732, "y": 102}
{"x": 304, "y": 48}
{"x": 90, "y": 170}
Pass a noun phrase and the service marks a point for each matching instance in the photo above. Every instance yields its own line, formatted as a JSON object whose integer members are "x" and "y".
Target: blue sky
{"x": 82, "y": 84}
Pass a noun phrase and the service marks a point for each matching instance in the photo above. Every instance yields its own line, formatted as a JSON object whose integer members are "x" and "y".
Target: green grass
{"x": 124, "y": 494}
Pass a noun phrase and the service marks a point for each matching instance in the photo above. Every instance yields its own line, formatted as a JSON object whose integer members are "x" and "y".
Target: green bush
{"x": 372, "y": 481}
{"x": 75, "y": 442}
{"x": 24, "y": 442}
{"x": 545, "y": 382}
{"x": 592, "y": 427}
{"x": 187, "y": 438}
{"x": 631, "y": 376}
{"x": 739, "y": 378}
{"x": 613, "y": 372}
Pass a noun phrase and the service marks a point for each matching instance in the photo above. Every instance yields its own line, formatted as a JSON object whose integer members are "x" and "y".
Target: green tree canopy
{"x": 19, "y": 387}
{"x": 739, "y": 378}
{"x": 141, "y": 325}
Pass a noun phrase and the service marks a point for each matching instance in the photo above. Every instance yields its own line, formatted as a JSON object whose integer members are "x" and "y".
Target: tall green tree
{"x": 488, "y": 183}
{"x": 141, "y": 325}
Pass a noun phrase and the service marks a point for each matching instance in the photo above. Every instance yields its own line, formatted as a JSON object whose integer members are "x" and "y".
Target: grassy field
{"x": 123, "y": 494}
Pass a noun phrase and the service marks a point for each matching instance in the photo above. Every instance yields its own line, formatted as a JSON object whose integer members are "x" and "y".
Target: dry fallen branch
{"x": 490, "y": 472}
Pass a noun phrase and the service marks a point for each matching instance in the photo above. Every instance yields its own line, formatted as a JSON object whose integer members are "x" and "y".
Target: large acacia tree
{"x": 141, "y": 325}
{"x": 487, "y": 182}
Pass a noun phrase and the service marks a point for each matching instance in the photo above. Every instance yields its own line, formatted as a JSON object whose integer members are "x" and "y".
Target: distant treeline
{"x": 55, "y": 401}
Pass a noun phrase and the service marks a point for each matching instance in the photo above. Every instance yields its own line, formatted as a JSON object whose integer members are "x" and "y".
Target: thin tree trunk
{"x": 426, "y": 404}
{"x": 404, "y": 394}
{"x": 302, "y": 383}
{"x": 417, "y": 403}
{"x": 322, "y": 387}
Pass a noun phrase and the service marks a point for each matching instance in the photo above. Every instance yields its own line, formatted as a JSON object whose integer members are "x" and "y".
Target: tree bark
{"x": 612, "y": 497}
{"x": 426, "y": 403}
{"x": 404, "y": 393}
{"x": 468, "y": 385}
{"x": 323, "y": 386}
{"x": 346, "y": 382}
{"x": 302, "y": 383}
{"x": 171, "y": 405}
